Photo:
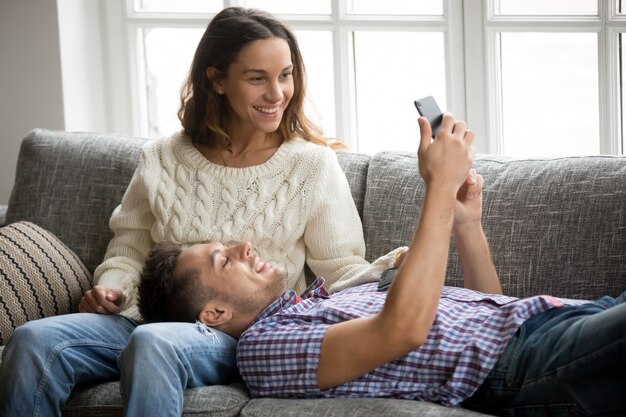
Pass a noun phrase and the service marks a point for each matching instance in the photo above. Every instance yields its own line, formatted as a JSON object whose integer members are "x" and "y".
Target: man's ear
{"x": 214, "y": 314}
{"x": 215, "y": 76}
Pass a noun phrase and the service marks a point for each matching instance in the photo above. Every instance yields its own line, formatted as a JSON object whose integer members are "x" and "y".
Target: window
{"x": 531, "y": 77}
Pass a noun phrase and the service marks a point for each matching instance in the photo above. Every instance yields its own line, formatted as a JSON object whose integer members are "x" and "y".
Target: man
{"x": 417, "y": 340}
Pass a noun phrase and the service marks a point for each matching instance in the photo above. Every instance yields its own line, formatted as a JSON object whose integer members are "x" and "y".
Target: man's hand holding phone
{"x": 427, "y": 107}
{"x": 448, "y": 159}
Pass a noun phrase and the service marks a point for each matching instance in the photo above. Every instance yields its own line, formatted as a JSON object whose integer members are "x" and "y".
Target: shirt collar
{"x": 289, "y": 298}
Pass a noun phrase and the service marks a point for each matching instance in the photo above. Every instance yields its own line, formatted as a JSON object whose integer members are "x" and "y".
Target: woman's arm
{"x": 335, "y": 246}
{"x": 131, "y": 222}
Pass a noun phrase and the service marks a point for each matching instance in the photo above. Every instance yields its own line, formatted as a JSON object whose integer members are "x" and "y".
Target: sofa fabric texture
{"x": 556, "y": 226}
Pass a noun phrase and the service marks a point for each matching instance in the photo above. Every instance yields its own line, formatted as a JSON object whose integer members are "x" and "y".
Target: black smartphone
{"x": 428, "y": 108}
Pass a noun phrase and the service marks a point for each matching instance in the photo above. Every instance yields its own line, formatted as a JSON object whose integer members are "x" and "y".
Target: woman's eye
{"x": 286, "y": 75}
{"x": 256, "y": 80}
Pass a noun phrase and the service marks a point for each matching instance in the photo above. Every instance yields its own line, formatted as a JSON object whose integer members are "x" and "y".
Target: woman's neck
{"x": 242, "y": 153}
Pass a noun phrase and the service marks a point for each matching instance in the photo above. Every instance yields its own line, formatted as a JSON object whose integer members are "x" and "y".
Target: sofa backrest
{"x": 555, "y": 226}
{"x": 69, "y": 184}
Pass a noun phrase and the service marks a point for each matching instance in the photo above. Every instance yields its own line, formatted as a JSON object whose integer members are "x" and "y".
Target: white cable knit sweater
{"x": 294, "y": 206}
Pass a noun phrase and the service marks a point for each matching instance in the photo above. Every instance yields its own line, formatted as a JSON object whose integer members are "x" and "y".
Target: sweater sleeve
{"x": 131, "y": 222}
{"x": 335, "y": 247}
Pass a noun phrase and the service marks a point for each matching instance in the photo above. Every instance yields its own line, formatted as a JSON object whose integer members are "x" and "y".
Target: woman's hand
{"x": 102, "y": 300}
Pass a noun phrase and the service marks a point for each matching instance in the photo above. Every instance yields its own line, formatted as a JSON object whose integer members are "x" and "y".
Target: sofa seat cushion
{"x": 350, "y": 407}
{"x": 39, "y": 276}
{"x": 104, "y": 399}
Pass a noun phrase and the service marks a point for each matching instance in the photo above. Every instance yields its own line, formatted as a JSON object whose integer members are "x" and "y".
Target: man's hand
{"x": 447, "y": 159}
{"x": 468, "y": 207}
{"x": 102, "y": 300}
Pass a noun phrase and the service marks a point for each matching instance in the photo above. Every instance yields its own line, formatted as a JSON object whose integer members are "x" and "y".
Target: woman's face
{"x": 258, "y": 86}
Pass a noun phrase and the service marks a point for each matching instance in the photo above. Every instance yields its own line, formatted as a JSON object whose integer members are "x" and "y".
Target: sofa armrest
{"x": 3, "y": 214}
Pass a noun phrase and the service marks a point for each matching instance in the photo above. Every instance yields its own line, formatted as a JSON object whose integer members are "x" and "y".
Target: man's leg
{"x": 44, "y": 359}
{"x": 162, "y": 359}
{"x": 568, "y": 360}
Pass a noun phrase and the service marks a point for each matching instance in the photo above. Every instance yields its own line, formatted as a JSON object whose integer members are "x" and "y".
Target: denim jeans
{"x": 568, "y": 361}
{"x": 44, "y": 359}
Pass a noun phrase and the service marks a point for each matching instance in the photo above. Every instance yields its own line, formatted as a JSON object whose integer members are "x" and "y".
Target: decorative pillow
{"x": 39, "y": 276}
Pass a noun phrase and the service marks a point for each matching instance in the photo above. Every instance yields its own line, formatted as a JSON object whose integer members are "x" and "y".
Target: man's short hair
{"x": 167, "y": 296}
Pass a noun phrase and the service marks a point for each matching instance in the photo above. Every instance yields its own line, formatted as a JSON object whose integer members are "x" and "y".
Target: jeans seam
{"x": 53, "y": 357}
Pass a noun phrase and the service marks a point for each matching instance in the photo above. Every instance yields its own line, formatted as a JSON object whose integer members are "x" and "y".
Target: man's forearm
{"x": 479, "y": 272}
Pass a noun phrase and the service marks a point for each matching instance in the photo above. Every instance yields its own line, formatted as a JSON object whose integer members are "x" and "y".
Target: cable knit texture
{"x": 294, "y": 206}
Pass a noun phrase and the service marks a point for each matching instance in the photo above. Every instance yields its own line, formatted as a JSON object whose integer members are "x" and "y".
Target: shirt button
{"x": 286, "y": 296}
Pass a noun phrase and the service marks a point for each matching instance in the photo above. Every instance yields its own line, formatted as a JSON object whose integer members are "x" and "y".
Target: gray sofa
{"x": 556, "y": 226}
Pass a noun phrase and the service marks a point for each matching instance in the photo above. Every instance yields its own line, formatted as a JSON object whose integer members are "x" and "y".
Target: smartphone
{"x": 427, "y": 107}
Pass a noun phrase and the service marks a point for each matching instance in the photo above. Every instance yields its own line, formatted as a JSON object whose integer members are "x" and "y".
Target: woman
{"x": 248, "y": 166}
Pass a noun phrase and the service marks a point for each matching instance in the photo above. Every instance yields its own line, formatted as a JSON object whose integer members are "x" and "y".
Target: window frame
{"x": 607, "y": 24}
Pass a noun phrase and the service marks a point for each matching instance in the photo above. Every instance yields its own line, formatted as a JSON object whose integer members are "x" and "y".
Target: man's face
{"x": 247, "y": 282}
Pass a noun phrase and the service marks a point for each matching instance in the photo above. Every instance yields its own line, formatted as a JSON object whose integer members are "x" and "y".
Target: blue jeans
{"x": 569, "y": 361}
{"x": 44, "y": 359}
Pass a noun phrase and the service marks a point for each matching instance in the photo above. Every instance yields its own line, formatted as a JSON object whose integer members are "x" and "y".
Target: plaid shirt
{"x": 278, "y": 355}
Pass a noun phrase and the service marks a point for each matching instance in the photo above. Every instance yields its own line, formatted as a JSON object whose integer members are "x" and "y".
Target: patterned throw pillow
{"x": 39, "y": 276}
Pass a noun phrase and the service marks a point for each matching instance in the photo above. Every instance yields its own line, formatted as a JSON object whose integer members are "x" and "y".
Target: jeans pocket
{"x": 511, "y": 359}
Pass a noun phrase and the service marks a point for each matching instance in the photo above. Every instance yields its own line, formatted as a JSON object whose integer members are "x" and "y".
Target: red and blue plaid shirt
{"x": 279, "y": 354}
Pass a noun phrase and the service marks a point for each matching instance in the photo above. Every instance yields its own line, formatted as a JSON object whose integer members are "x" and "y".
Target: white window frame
{"x": 607, "y": 24}
{"x": 470, "y": 31}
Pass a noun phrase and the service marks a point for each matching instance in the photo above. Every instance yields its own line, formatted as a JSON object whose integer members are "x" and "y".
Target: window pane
{"x": 168, "y": 54}
{"x": 179, "y": 6}
{"x": 392, "y": 70}
{"x": 550, "y": 94}
{"x": 549, "y": 7}
{"x": 402, "y": 7}
{"x": 317, "y": 52}
{"x": 292, "y": 6}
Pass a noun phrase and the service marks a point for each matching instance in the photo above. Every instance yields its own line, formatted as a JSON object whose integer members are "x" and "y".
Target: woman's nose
{"x": 274, "y": 93}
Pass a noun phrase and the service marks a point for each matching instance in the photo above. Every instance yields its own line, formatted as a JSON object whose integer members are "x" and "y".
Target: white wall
{"x": 31, "y": 93}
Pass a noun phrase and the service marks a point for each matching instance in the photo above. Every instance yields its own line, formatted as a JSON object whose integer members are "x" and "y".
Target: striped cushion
{"x": 39, "y": 276}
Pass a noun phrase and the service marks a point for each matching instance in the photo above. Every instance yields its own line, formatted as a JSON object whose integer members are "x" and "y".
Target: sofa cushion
{"x": 69, "y": 184}
{"x": 39, "y": 276}
{"x": 555, "y": 226}
{"x": 355, "y": 167}
{"x": 104, "y": 399}
{"x": 350, "y": 407}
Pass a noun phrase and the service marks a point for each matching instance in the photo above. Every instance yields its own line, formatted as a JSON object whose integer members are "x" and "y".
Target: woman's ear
{"x": 214, "y": 315}
{"x": 215, "y": 76}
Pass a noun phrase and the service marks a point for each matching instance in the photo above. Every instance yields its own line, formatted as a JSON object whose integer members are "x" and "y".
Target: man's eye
{"x": 226, "y": 261}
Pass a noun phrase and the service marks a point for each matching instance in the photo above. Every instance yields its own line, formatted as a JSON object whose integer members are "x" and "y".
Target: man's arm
{"x": 479, "y": 272}
{"x": 352, "y": 348}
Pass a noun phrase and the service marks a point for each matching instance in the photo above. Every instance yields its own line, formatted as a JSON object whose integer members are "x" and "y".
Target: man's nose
{"x": 244, "y": 250}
